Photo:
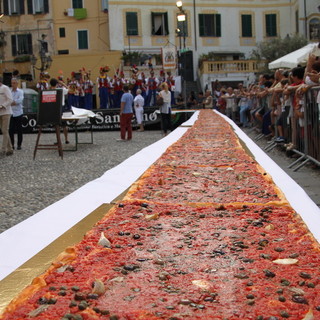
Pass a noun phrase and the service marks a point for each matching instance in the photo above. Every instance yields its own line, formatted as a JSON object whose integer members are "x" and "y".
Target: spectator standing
{"x": 126, "y": 114}
{"x": 208, "y": 102}
{"x": 165, "y": 109}
{"x": 244, "y": 106}
{"x": 138, "y": 107}
{"x": 179, "y": 101}
{"x": 5, "y": 115}
{"x": 200, "y": 100}
{"x": 192, "y": 101}
{"x": 231, "y": 106}
{"x": 17, "y": 113}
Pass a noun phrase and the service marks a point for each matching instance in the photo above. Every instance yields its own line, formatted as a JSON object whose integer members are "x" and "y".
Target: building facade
{"x": 73, "y": 33}
{"x": 229, "y": 29}
{"x": 89, "y": 34}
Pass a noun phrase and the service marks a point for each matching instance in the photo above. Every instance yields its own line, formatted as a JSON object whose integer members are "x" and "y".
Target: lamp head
{"x": 179, "y": 4}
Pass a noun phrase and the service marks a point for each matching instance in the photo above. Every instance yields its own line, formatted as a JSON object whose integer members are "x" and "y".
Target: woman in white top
{"x": 165, "y": 109}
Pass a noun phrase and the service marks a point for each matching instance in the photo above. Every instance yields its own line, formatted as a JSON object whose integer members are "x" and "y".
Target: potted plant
{"x": 131, "y": 57}
{"x": 21, "y": 58}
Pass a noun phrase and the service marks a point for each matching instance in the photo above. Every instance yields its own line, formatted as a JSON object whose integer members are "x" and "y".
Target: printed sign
{"x": 169, "y": 58}
{"x": 49, "y": 96}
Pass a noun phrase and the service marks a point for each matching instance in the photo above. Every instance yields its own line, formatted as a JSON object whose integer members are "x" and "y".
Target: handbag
{"x": 159, "y": 101}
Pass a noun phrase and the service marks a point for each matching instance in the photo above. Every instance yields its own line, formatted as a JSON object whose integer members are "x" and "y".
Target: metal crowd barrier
{"x": 306, "y": 133}
{"x": 300, "y": 131}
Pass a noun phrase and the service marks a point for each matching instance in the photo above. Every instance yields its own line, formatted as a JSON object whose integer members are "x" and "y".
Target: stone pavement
{"x": 28, "y": 186}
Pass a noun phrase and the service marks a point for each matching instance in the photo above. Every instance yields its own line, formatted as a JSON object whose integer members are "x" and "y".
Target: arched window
{"x": 314, "y": 29}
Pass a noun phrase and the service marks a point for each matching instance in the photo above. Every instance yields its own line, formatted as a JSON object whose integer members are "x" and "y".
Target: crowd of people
{"x": 114, "y": 93}
{"x": 265, "y": 105}
{"x": 110, "y": 89}
{"x": 274, "y": 106}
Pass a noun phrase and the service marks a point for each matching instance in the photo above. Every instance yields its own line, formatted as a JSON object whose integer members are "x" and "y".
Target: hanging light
{"x": 179, "y": 4}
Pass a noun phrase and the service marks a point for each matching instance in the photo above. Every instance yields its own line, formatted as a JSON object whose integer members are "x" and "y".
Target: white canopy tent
{"x": 295, "y": 58}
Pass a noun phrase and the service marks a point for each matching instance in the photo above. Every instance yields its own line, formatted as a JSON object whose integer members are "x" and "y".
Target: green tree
{"x": 276, "y": 48}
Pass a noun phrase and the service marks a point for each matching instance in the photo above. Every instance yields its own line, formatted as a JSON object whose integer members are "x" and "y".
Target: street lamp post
{"x": 181, "y": 17}
{"x": 45, "y": 59}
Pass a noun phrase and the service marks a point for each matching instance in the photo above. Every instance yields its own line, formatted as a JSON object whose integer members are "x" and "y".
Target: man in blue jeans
{"x": 126, "y": 114}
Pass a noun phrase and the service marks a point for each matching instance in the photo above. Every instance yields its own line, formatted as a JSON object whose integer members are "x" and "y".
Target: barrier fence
{"x": 297, "y": 124}
{"x": 307, "y": 137}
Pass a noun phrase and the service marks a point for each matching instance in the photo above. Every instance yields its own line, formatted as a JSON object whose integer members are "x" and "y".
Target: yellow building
{"x": 81, "y": 37}
{"x": 74, "y": 34}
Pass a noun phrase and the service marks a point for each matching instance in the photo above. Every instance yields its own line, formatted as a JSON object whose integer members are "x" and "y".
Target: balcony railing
{"x": 237, "y": 66}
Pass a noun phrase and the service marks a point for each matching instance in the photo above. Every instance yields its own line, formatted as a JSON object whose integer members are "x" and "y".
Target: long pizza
{"x": 184, "y": 249}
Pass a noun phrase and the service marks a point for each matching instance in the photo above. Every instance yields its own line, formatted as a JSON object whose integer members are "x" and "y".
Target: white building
{"x": 229, "y": 28}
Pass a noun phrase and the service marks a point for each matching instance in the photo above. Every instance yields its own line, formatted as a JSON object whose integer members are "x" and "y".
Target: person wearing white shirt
{"x": 138, "y": 103}
{"x": 5, "y": 115}
{"x": 165, "y": 109}
{"x": 17, "y": 113}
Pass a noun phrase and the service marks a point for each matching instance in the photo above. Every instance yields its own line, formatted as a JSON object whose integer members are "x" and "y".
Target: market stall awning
{"x": 295, "y": 58}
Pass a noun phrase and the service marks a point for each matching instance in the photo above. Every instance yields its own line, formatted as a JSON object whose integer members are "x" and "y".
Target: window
{"x": 159, "y": 23}
{"x": 183, "y": 27}
{"x": 271, "y": 25}
{"x": 12, "y": 7}
{"x": 21, "y": 44}
{"x": 77, "y": 4}
{"x": 210, "y": 25}
{"x": 246, "y": 25}
{"x": 132, "y": 23}
{"x": 83, "y": 39}
{"x": 62, "y": 32}
{"x": 63, "y": 51}
{"x": 314, "y": 29}
{"x": 38, "y": 6}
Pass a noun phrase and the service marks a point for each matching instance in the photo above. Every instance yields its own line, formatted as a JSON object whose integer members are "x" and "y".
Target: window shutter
{"x": 14, "y": 44}
{"x": 29, "y": 42}
{"x": 268, "y": 25}
{"x": 83, "y": 39}
{"x": 201, "y": 25}
{"x": 166, "y": 26}
{"x": 132, "y": 23}
{"x": 6, "y": 7}
{"x": 21, "y": 3}
{"x": 152, "y": 23}
{"x": 218, "y": 25}
{"x": 274, "y": 25}
{"x": 271, "y": 25}
{"x": 45, "y": 6}
{"x": 246, "y": 22}
{"x": 30, "y": 6}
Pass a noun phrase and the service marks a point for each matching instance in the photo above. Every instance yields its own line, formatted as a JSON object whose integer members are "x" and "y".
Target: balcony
{"x": 234, "y": 66}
